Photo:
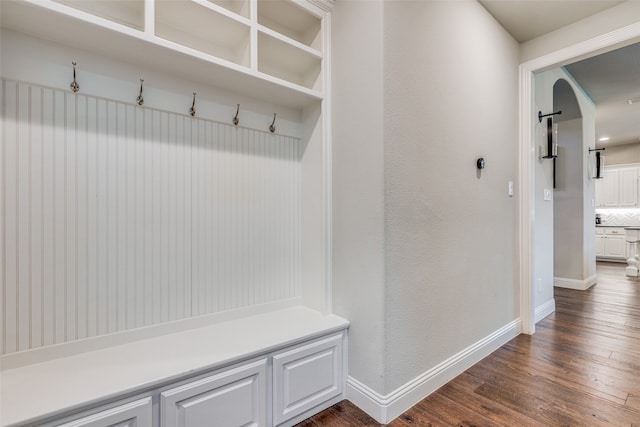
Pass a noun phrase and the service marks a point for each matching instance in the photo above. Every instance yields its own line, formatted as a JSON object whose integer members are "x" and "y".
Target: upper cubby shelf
{"x": 266, "y": 49}
{"x": 291, "y": 20}
{"x": 238, "y": 7}
{"x": 125, "y": 12}
{"x": 195, "y": 26}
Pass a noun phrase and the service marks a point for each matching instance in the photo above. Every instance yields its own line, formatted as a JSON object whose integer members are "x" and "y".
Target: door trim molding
{"x": 526, "y": 150}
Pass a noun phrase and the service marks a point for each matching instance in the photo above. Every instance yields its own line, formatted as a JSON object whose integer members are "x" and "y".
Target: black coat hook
{"x": 236, "y": 120}
{"x": 272, "y": 126}
{"x": 74, "y": 84}
{"x": 192, "y": 110}
{"x": 140, "y": 99}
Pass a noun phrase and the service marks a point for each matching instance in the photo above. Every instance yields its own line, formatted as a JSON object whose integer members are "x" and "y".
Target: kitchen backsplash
{"x": 619, "y": 217}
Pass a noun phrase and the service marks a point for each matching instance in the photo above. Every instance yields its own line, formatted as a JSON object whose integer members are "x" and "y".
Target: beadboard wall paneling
{"x": 116, "y": 217}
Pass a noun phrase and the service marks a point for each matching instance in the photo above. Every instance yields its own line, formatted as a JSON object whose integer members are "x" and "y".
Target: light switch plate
{"x": 547, "y": 194}
{"x": 510, "y": 188}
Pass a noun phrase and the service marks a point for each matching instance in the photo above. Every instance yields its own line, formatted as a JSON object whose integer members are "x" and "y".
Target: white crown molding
{"x": 384, "y": 408}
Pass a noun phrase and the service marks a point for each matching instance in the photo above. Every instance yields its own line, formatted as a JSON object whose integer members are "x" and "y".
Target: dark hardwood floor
{"x": 580, "y": 368}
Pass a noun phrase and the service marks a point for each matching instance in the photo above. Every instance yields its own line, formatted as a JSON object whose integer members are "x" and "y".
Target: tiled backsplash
{"x": 619, "y": 217}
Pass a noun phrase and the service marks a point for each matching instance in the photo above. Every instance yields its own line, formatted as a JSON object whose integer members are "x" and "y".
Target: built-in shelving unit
{"x": 186, "y": 219}
{"x": 272, "y": 50}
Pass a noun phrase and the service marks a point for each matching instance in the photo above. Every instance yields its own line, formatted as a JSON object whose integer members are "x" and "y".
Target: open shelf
{"x": 192, "y": 25}
{"x": 239, "y": 7}
{"x": 130, "y": 46}
{"x": 125, "y": 12}
{"x": 287, "y": 62}
{"x": 292, "y": 21}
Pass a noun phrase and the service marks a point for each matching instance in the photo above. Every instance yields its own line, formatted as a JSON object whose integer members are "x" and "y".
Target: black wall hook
{"x": 140, "y": 99}
{"x": 236, "y": 120}
{"x": 75, "y": 87}
{"x": 192, "y": 110}
{"x": 272, "y": 126}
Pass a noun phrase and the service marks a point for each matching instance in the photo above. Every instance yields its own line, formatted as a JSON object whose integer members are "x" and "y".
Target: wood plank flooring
{"x": 580, "y": 368}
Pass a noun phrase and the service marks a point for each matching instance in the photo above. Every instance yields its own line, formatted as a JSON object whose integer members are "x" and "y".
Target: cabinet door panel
{"x": 599, "y": 192}
{"x": 600, "y": 245}
{"x": 231, "y": 398}
{"x": 614, "y": 246}
{"x": 134, "y": 414}
{"x": 611, "y": 187}
{"x": 629, "y": 187}
{"x": 306, "y": 377}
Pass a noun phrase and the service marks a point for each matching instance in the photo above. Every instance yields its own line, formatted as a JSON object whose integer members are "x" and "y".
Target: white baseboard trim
{"x": 545, "y": 309}
{"x": 384, "y": 408}
{"x": 581, "y": 285}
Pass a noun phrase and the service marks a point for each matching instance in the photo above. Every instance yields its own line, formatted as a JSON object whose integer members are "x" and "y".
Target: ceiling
{"x": 609, "y": 79}
{"x": 528, "y": 19}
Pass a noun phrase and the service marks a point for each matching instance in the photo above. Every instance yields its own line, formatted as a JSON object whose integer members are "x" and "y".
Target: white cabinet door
{"x": 614, "y": 246}
{"x": 134, "y": 414}
{"x": 628, "y": 187}
{"x": 231, "y": 398}
{"x": 306, "y": 377}
{"x": 611, "y": 188}
{"x": 600, "y": 245}
{"x": 599, "y": 190}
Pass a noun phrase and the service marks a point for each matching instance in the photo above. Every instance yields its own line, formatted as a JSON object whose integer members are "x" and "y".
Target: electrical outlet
{"x": 547, "y": 194}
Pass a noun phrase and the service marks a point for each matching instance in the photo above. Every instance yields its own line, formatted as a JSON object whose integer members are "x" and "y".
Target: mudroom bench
{"x": 269, "y": 369}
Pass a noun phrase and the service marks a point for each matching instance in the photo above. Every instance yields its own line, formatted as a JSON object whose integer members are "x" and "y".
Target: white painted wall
{"x": 358, "y": 184}
{"x": 622, "y": 154}
{"x": 420, "y": 237}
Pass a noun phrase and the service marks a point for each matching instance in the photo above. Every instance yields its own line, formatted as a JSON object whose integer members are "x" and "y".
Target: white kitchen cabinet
{"x": 230, "y": 398}
{"x": 306, "y": 376}
{"x": 599, "y": 245}
{"x": 618, "y": 188}
{"x": 610, "y": 244}
{"x": 135, "y": 414}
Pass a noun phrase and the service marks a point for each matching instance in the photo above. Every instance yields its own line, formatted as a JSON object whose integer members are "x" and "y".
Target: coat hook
{"x": 74, "y": 84}
{"x": 272, "y": 126}
{"x": 140, "y": 99}
{"x": 192, "y": 110}
{"x": 235, "y": 119}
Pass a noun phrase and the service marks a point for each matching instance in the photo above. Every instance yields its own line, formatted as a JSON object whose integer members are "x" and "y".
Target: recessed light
{"x": 604, "y": 138}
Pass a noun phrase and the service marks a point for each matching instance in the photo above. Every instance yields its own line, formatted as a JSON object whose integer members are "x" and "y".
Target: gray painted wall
{"x": 621, "y": 154}
{"x": 568, "y": 236}
{"x": 419, "y": 236}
